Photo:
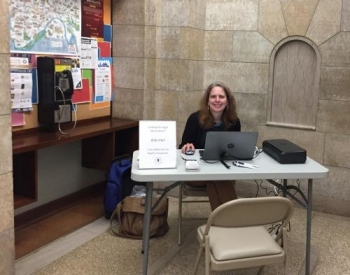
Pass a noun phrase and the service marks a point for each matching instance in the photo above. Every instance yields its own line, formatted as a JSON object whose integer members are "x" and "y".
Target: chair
{"x": 235, "y": 237}
{"x": 186, "y": 190}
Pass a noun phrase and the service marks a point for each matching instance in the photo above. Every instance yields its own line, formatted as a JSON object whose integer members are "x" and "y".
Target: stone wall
{"x": 166, "y": 53}
{"x": 7, "y": 244}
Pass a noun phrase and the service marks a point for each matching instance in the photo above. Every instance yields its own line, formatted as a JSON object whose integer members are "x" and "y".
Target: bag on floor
{"x": 119, "y": 183}
{"x": 130, "y": 214}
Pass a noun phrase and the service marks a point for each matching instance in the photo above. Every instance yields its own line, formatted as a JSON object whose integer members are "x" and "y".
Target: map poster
{"x": 92, "y": 18}
{"x": 49, "y": 27}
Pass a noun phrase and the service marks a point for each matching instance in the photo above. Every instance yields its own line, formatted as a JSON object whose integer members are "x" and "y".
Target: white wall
{"x": 60, "y": 174}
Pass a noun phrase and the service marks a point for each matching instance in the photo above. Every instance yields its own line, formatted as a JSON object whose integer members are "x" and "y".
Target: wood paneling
{"x": 295, "y": 85}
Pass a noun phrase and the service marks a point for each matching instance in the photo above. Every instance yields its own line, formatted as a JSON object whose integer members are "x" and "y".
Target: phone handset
{"x": 64, "y": 82}
{"x": 63, "y": 96}
{"x": 64, "y": 86}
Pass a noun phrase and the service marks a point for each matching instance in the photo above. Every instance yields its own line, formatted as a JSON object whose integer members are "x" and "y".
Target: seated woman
{"x": 217, "y": 112}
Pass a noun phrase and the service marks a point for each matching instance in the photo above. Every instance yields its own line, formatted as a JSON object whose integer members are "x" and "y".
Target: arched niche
{"x": 294, "y": 84}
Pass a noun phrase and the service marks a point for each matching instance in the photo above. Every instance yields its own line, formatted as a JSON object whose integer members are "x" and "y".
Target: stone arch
{"x": 294, "y": 84}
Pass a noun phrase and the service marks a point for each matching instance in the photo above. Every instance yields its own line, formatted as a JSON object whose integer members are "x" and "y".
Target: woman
{"x": 217, "y": 112}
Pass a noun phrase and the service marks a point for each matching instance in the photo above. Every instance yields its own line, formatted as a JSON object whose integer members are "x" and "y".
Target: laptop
{"x": 229, "y": 145}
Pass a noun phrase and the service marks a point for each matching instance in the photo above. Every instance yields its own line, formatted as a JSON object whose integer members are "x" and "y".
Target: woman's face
{"x": 217, "y": 100}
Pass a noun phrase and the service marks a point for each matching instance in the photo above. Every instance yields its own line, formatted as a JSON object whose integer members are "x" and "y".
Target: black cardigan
{"x": 195, "y": 134}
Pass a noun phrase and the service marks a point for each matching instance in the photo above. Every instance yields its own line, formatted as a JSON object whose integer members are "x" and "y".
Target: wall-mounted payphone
{"x": 55, "y": 90}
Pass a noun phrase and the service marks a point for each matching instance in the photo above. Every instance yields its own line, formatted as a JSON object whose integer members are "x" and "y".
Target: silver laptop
{"x": 229, "y": 146}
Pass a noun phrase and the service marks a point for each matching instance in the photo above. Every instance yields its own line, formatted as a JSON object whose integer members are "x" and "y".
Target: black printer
{"x": 284, "y": 151}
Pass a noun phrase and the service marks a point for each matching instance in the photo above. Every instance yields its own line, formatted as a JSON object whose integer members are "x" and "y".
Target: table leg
{"x": 179, "y": 218}
{"x": 147, "y": 222}
{"x": 285, "y": 184}
{"x": 308, "y": 227}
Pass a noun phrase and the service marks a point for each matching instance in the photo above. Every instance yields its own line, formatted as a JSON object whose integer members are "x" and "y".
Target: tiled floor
{"x": 42, "y": 257}
{"x": 94, "y": 250}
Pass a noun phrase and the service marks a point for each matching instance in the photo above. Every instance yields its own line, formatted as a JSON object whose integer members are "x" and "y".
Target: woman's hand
{"x": 187, "y": 146}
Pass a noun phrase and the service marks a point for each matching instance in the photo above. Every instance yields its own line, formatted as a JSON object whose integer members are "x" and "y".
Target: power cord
{"x": 257, "y": 152}
{"x": 257, "y": 187}
{"x": 277, "y": 192}
{"x": 60, "y": 112}
{"x": 278, "y": 226}
{"x": 267, "y": 192}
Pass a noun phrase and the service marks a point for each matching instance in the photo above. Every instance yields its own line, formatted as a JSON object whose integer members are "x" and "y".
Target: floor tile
{"x": 89, "y": 251}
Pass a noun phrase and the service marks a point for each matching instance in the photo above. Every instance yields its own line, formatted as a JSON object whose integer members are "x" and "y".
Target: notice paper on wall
{"x": 103, "y": 81}
{"x": 21, "y": 89}
{"x": 88, "y": 53}
{"x": 157, "y": 144}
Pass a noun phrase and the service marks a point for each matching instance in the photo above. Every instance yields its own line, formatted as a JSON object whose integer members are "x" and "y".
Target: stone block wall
{"x": 159, "y": 63}
{"x": 7, "y": 243}
{"x": 167, "y": 52}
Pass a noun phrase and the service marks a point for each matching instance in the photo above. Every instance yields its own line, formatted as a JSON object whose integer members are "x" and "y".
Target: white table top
{"x": 268, "y": 169}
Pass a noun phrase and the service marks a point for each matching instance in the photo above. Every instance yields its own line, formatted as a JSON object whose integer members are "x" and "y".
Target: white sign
{"x": 157, "y": 144}
{"x": 103, "y": 81}
{"x": 88, "y": 53}
{"x": 21, "y": 89}
{"x": 77, "y": 81}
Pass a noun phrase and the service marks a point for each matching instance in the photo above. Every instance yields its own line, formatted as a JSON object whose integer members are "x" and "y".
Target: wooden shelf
{"x": 102, "y": 139}
{"x": 20, "y": 201}
{"x": 28, "y": 141}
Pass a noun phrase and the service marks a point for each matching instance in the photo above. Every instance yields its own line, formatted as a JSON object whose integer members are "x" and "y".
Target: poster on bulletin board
{"x": 103, "y": 81}
{"x": 81, "y": 32}
{"x": 92, "y": 18}
{"x": 54, "y": 28}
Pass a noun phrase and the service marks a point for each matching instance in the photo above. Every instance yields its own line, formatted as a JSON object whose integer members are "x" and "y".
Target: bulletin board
{"x": 86, "y": 41}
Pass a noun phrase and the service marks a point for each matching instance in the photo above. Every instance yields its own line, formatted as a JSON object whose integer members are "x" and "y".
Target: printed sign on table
{"x": 157, "y": 148}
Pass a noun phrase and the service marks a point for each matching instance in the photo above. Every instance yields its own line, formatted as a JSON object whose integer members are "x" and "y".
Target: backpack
{"x": 119, "y": 183}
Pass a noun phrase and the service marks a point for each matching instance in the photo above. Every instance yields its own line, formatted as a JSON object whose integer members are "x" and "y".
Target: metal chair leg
{"x": 199, "y": 255}
{"x": 207, "y": 256}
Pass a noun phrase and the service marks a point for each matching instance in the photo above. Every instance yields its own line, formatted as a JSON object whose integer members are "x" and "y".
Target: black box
{"x": 284, "y": 151}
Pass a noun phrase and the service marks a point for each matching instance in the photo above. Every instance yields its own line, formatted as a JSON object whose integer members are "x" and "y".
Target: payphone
{"x": 55, "y": 90}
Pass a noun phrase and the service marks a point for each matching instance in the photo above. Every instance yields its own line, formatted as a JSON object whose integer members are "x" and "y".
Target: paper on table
{"x": 157, "y": 144}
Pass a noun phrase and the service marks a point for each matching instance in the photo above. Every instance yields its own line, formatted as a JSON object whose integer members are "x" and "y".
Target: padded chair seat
{"x": 235, "y": 236}
{"x": 239, "y": 243}
{"x": 191, "y": 190}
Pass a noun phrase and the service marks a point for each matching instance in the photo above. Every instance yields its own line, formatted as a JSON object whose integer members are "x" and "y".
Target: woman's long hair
{"x": 229, "y": 115}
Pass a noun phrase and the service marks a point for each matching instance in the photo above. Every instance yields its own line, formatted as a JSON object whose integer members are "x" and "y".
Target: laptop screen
{"x": 229, "y": 145}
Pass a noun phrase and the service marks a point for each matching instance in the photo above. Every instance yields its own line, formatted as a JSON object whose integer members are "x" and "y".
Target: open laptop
{"x": 229, "y": 145}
